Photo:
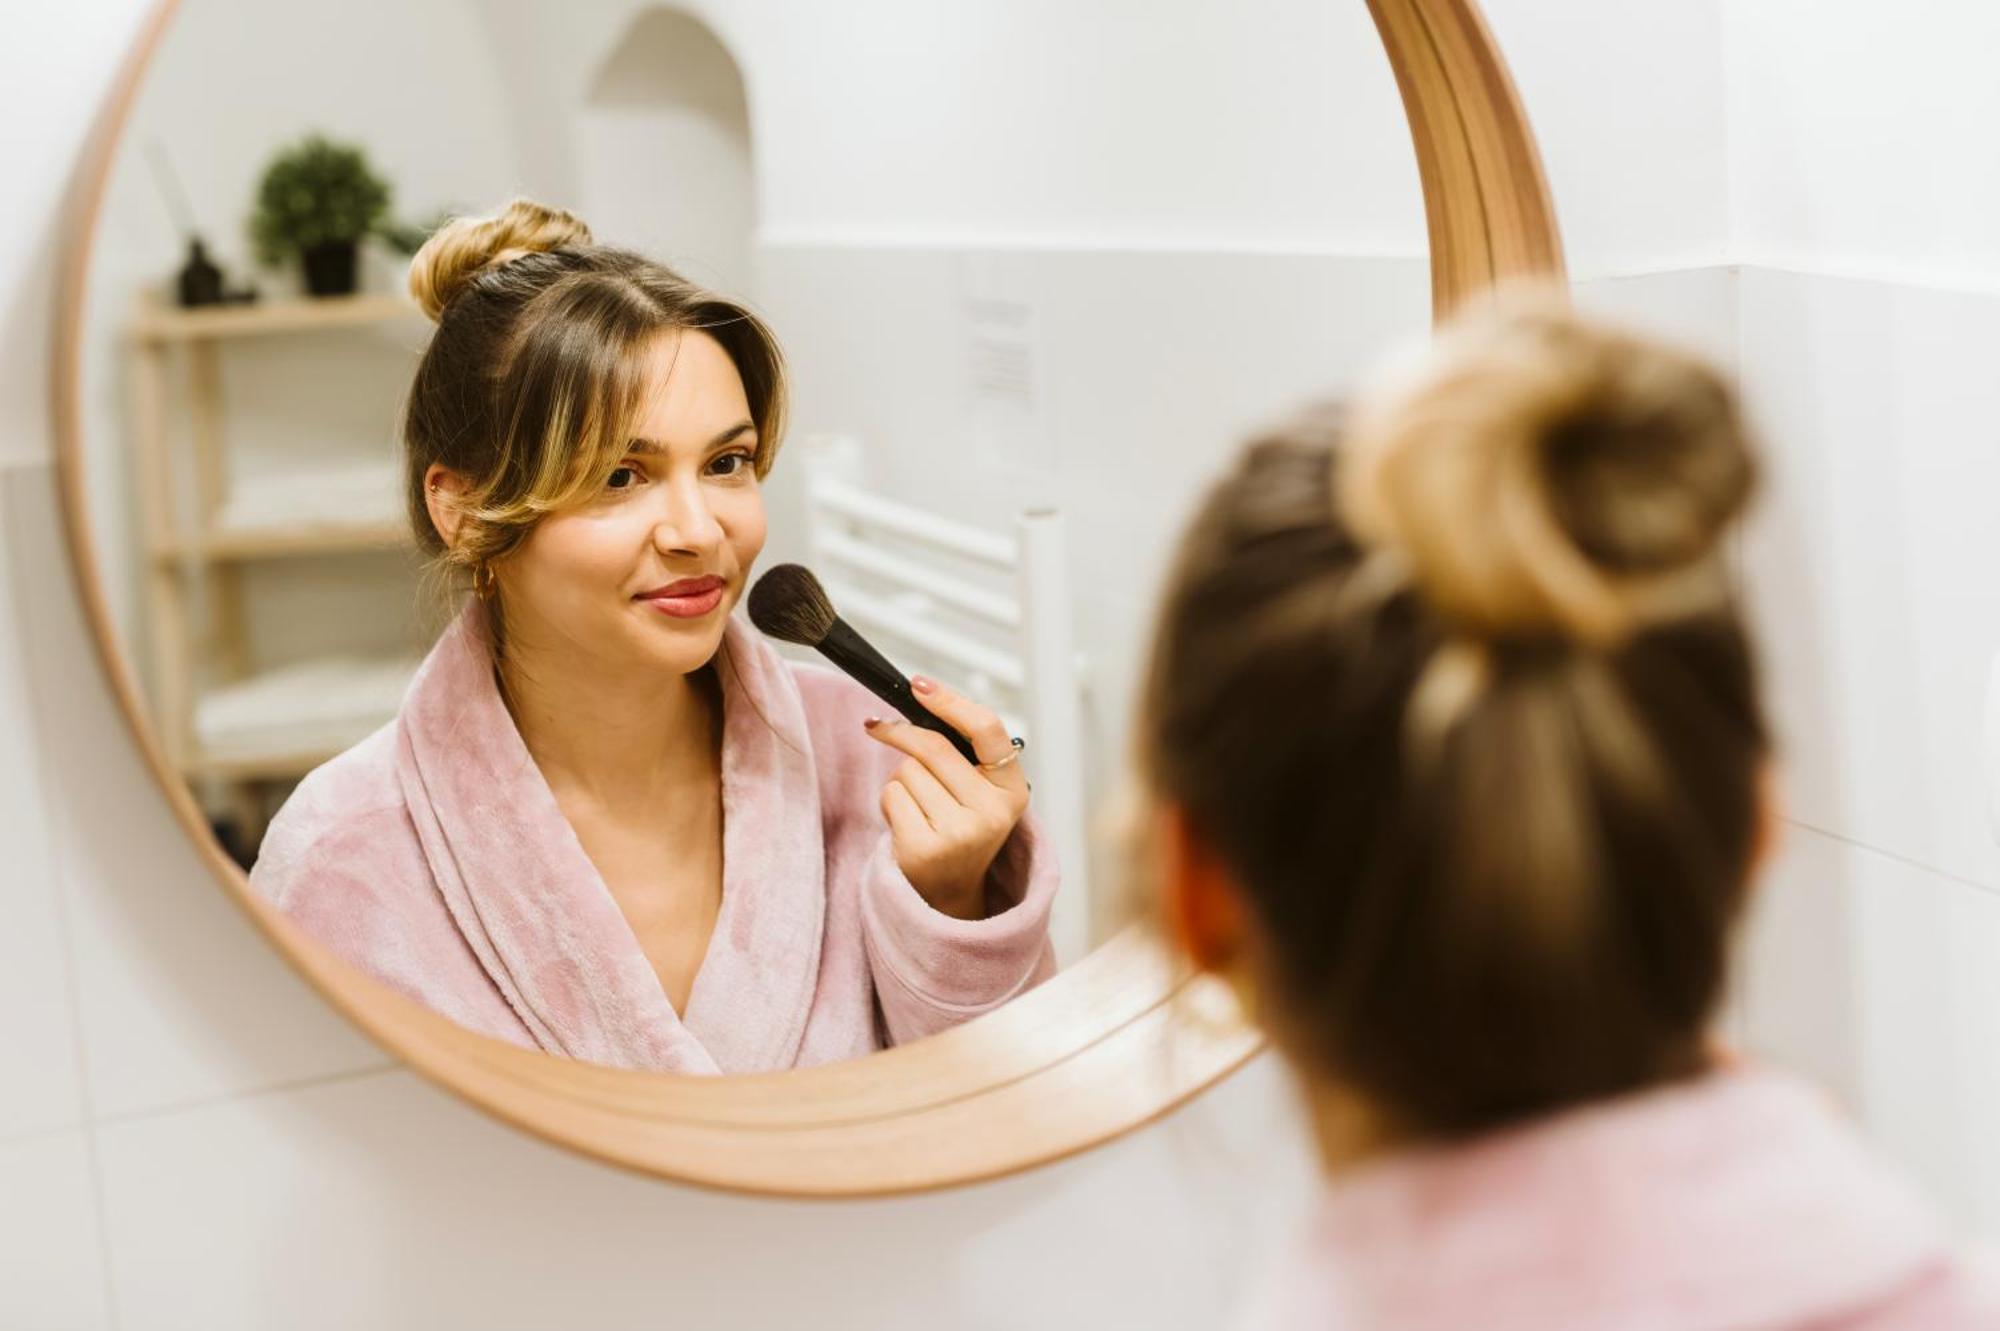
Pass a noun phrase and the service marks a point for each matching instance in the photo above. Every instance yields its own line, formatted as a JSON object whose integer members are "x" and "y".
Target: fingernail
{"x": 922, "y": 684}
{"x": 871, "y": 723}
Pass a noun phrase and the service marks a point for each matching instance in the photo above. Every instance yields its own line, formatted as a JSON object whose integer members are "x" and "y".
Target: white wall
{"x": 666, "y": 159}
{"x": 1118, "y": 122}
{"x": 1627, "y": 102}
{"x": 188, "y": 1139}
{"x": 1865, "y": 193}
{"x": 1860, "y": 138}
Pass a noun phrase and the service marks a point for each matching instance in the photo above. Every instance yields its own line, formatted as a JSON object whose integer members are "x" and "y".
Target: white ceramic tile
{"x": 1929, "y": 1034}
{"x": 51, "y": 1275}
{"x": 380, "y": 1202}
{"x": 1876, "y": 977}
{"x": 55, "y": 67}
{"x": 1873, "y": 561}
{"x": 1695, "y": 308}
{"x": 1626, "y": 101}
{"x": 37, "y": 1024}
{"x": 1973, "y": 924}
{"x": 1796, "y": 991}
{"x": 179, "y": 998}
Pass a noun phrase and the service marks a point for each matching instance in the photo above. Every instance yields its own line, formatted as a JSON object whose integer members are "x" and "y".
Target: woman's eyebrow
{"x": 646, "y": 447}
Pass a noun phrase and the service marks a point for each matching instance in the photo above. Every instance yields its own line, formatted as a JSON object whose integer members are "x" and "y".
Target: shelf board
{"x": 172, "y": 323}
{"x": 281, "y": 542}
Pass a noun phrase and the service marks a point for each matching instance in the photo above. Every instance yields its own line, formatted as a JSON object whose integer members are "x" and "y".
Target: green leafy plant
{"x": 314, "y": 192}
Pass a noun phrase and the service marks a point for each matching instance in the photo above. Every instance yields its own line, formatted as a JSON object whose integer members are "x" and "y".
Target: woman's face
{"x": 646, "y": 573}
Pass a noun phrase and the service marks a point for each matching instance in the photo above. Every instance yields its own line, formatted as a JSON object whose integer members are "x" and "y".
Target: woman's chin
{"x": 683, "y": 644}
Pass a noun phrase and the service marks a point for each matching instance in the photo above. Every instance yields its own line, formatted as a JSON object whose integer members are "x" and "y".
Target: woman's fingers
{"x": 976, "y": 721}
{"x": 942, "y": 809}
{"x": 967, "y": 784}
{"x": 906, "y": 820}
{"x": 948, "y": 818}
{"x": 945, "y": 875}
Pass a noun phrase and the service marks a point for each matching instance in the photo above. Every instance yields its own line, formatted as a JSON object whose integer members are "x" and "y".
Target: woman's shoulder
{"x": 345, "y": 815}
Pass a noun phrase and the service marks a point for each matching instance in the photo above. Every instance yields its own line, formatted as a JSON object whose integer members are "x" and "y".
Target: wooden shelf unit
{"x": 210, "y": 554}
{"x": 172, "y": 323}
{"x": 247, "y": 546}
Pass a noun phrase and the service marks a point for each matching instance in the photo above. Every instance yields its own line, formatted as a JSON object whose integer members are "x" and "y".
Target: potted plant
{"x": 317, "y": 200}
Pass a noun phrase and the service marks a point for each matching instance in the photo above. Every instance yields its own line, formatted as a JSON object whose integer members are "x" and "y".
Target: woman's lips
{"x": 690, "y": 598}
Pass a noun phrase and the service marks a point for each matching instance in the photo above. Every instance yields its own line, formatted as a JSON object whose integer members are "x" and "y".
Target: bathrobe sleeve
{"x": 931, "y": 970}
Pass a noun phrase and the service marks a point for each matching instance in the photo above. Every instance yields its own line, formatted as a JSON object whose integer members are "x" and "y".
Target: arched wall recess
{"x": 1110, "y": 1044}
{"x": 670, "y": 93}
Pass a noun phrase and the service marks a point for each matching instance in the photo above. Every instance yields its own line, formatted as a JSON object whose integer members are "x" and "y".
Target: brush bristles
{"x": 789, "y": 604}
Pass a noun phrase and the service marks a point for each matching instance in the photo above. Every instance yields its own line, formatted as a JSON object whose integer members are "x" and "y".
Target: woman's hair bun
{"x": 464, "y": 247}
{"x": 1541, "y": 474}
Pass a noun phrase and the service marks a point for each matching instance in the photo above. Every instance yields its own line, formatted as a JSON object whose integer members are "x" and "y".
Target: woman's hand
{"x": 948, "y": 818}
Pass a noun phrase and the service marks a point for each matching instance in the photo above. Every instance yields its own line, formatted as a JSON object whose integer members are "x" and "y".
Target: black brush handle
{"x": 870, "y": 669}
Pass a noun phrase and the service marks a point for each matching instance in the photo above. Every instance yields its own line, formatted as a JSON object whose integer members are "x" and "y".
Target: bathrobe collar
{"x": 1738, "y": 1199}
{"x": 537, "y": 914}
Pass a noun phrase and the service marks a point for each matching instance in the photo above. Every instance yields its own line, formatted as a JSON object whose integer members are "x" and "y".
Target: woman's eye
{"x": 622, "y": 478}
{"x": 730, "y": 464}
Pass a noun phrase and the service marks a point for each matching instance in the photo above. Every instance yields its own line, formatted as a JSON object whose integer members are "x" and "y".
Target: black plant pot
{"x": 330, "y": 267}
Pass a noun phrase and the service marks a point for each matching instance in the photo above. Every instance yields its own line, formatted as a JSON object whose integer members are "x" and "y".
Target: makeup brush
{"x": 789, "y": 604}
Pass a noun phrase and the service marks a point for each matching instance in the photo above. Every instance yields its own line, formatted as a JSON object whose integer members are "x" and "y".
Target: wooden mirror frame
{"x": 1112, "y": 1043}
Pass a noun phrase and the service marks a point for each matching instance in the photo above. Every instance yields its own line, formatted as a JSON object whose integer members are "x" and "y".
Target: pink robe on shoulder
{"x": 433, "y": 856}
{"x": 1737, "y": 1202}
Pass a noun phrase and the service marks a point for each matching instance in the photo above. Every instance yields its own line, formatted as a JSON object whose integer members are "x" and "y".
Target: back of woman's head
{"x": 539, "y": 365}
{"x": 1454, "y": 688}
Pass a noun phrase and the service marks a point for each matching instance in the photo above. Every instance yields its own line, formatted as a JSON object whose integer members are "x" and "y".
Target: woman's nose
{"x": 686, "y": 525}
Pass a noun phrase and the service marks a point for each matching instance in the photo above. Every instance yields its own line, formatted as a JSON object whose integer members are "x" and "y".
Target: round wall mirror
{"x": 431, "y": 610}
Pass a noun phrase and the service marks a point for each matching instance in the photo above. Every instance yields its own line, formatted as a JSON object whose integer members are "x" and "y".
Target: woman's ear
{"x": 1203, "y": 907}
{"x": 443, "y": 488}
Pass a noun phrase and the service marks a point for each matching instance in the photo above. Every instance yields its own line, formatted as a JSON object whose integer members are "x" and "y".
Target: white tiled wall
{"x": 37, "y": 1011}
{"x": 1872, "y": 569}
{"x": 51, "y": 1254}
{"x": 379, "y": 1202}
{"x": 1877, "y": 572}
{"x": 1877, "y": 977}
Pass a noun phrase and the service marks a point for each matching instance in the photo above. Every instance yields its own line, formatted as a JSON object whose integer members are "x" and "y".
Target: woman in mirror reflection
{"x": 609, "y": 821}
{"x": 1457, "y": 771}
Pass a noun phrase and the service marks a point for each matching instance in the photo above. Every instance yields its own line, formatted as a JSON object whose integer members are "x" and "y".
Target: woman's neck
{"x": 620, "y": 737}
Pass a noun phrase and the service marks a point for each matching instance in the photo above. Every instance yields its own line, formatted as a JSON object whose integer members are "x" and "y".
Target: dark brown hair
{"x": 531, "y": 382}
{"x": 1455, "y": 686}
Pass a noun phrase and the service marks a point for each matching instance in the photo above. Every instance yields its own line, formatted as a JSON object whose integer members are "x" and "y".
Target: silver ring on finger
{"x": 1012, "y": 756}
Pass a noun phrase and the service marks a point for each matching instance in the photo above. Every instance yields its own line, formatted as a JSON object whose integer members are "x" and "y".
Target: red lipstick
{"x": 690, "y": 598}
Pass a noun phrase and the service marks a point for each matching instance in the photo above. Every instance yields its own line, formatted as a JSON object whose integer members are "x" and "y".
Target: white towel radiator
{"x": 984, "y": 610}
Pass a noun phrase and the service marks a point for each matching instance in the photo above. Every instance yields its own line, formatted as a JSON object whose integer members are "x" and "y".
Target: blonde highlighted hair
{"x": 1455, "y": 684}
{"x": 537, "y": 370}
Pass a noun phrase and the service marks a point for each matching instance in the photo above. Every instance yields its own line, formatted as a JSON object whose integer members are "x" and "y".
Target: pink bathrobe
{"x": 433, "y": 856}
{"x": 1736, "y": 1203}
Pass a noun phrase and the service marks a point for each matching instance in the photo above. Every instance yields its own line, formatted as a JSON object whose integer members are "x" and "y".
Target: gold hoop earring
{"x": 483, "y": 579}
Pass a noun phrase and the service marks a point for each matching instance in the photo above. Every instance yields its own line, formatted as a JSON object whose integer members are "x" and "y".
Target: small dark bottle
{"x": 200, "y": 280}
